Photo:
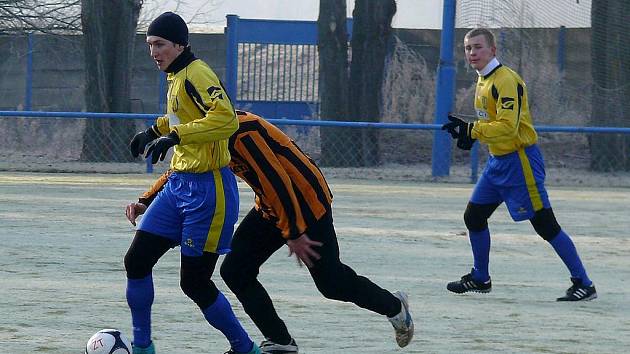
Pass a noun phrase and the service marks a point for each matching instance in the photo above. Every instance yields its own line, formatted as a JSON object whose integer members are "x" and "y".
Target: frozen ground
{"x": 63, "y": 237}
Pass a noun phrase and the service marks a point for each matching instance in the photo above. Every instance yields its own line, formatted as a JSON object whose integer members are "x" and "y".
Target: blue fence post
{"x": 474, "y": 164}
{"x": 28, "y": 94}
{"x": 561, "y": 48}
{"x": 231, "y": 64}
{"x": 148, "y": 123}
{"x": 162, "y": 93}
{"x": 445, "y": 92}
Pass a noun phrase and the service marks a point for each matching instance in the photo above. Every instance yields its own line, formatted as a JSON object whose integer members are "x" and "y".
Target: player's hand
{"x": 460, "y": 130}
{"x": 140, "y": 141}
{"x": 133, "y": 210}
{"x": 453, "y": 126}
{"x": 161, "y": 146}
{"x": 302, "y": 247}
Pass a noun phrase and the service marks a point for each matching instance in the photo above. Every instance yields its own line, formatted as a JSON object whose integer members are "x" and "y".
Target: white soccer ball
{"x": 108, "y": 341}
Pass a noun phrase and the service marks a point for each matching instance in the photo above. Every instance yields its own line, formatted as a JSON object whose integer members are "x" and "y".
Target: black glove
{"x": 161, "y": 146}
{"x": 460, "y": 130}
{"x": 140, "y": 141}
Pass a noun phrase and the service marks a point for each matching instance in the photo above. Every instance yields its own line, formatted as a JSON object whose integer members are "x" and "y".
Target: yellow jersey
{"x": 202, "y": 115}
{"x": 503, "y": 118}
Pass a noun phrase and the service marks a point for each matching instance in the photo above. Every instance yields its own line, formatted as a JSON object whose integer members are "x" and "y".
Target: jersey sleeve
{"x": 147, "y": 197}
{"x": 505, "y": 126}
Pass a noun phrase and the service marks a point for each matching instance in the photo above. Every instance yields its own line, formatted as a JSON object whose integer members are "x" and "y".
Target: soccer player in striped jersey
{"x": 198, "y": 205}
{"x": 293, "y": 207}
{"x": 515, "y": 172}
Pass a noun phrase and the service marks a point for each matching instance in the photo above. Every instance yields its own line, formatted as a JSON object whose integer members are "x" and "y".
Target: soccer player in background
{"x": 515, "y": 172}
{"x": 198, "y": 206}
{"x": 293, "y": 207}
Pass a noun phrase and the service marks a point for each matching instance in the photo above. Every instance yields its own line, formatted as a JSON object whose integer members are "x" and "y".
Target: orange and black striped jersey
{"x": 290, "y": 189}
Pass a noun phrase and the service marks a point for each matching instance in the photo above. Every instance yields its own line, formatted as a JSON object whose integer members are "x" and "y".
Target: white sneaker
{"x": 402, "y": 322}
{"x": 269, "y": 347}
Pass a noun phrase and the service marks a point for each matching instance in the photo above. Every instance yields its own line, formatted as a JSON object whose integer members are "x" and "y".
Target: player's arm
{"x": 508, "y": 105}
{"x": 133, "y": 210}
{"x": 147, "y": 197}
{"x": 218, "y": 119}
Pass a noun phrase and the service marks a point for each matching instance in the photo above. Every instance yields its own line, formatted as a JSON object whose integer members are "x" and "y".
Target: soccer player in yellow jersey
{"x": 198, "y": 206}
{"x": 515, "y": 172}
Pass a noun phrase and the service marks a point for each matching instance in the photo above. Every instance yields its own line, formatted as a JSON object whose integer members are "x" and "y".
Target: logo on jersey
{"x": 215, "y": 93}
{"x": 507, "y": 103}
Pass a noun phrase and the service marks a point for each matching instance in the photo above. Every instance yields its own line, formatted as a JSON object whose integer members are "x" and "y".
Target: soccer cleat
{"x": 467, "y": 283}
{"x": 269, "y": 347}
{"x": 148, "y": 350}
{"x": 255, "y": 350}
{"x": 579, "y": 292}
{"x": 402, "y": 322}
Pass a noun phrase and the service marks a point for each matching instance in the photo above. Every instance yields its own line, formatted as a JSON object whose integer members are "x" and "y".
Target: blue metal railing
{"x": 150, "y": 118}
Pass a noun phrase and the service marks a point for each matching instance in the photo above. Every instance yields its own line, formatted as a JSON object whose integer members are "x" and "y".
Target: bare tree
{"x": 333, "y": 77}
{"x": 48, "y": 16}
{"x": 361, "y": 86}
{"x": 109, "y": 29}
{"x": 370, "y": 39}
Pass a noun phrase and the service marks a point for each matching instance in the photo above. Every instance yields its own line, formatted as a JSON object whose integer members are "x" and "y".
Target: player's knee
{"x": 476, "y": 217}
{"x": 545, "y": 224}
{"x": 200, "y": 290}
{"x": 230, "y": 274}
{"x": 136, "y": 266}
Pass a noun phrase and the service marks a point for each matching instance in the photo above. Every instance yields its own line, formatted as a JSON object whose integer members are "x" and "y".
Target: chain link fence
{"x": 58, "y": 144}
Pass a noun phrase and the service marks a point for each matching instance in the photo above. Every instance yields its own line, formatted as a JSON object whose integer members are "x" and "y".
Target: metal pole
{"x": 561, "y": 48}
{"x": 231, "y": 63}
{"x": 28, "y": 94}
{"x": 445, "y": 92}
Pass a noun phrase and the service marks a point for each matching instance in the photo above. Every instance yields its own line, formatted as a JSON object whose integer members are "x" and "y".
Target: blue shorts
{"x": 518, "y": 179}
{"x": 196, "y": 210}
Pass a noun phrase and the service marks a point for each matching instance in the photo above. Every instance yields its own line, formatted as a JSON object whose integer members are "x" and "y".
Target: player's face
{"x": 163, "y": 51}
{"x": 478, "y": 51}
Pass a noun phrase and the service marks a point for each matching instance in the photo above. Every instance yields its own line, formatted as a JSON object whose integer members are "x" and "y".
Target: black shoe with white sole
{"x": 467, "y": 283}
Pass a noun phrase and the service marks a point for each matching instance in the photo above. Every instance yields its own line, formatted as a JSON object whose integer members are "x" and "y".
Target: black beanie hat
{"x": 171, "y": 27}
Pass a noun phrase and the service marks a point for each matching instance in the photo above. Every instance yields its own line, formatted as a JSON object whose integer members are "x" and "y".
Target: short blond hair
{"x": 482, "y": 32}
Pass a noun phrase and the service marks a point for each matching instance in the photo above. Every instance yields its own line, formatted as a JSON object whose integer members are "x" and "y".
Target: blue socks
{"x": 140, "y": 298}
{"x": 562, "y": 244}
{"x": 480, "y": 242}
{"x": 140, "y": 295}
{"x": 221, "y": 317}
{"x": 565, "y": 248}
